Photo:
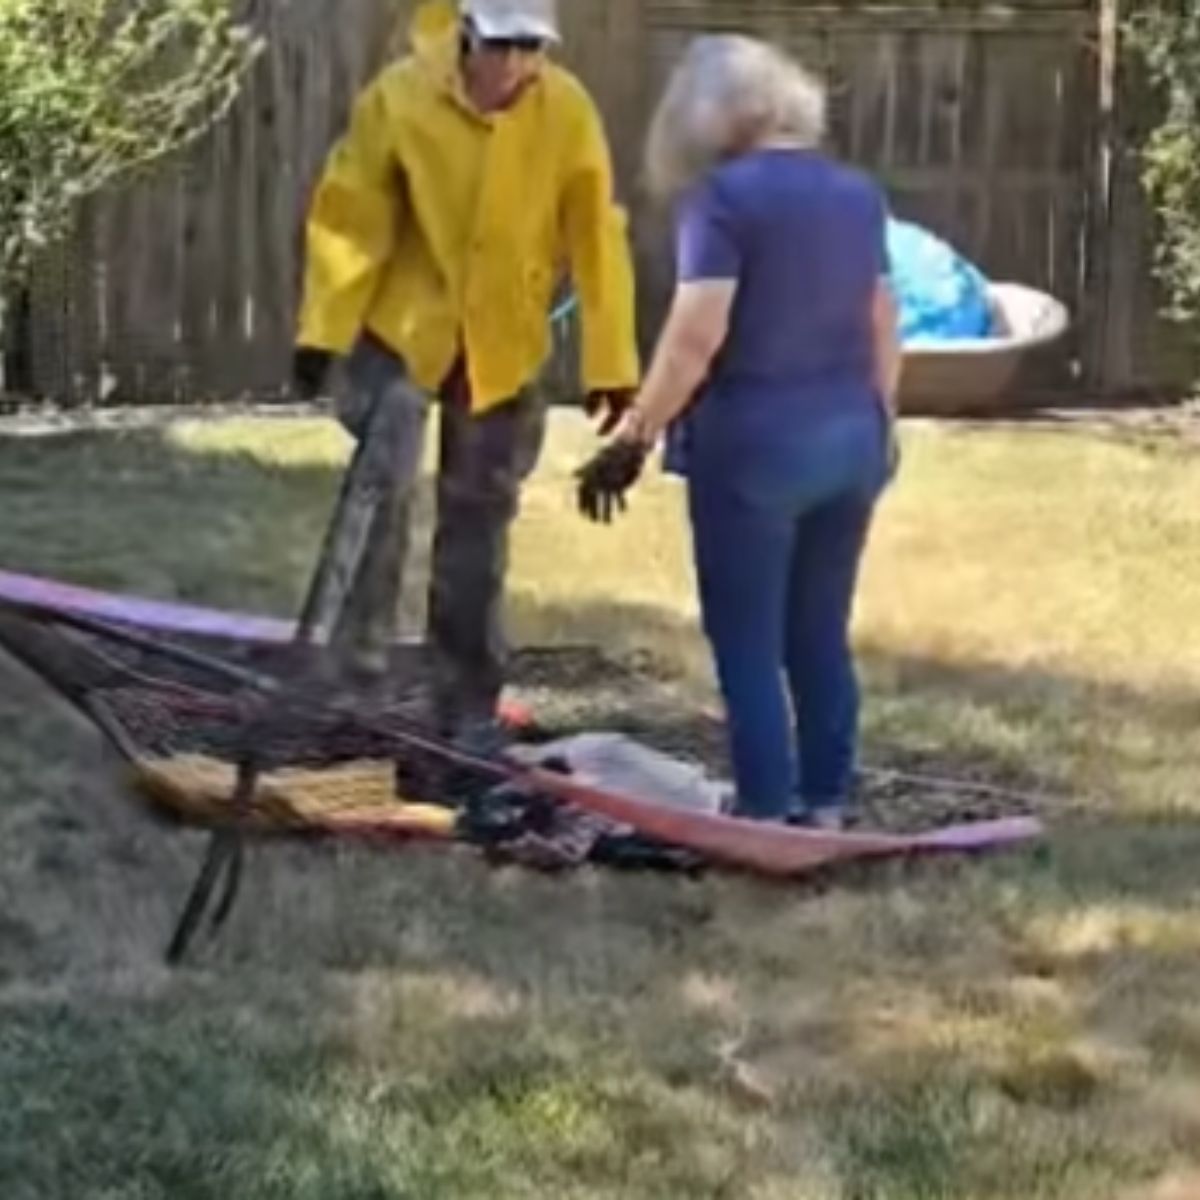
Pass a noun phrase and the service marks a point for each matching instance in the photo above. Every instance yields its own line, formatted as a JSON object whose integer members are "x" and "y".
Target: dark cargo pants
{"x": 483, "y": 460}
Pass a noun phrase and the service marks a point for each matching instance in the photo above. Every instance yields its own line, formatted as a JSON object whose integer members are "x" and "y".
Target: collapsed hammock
{"x": 182, "y": 719}
{"x": 245, "y": 733}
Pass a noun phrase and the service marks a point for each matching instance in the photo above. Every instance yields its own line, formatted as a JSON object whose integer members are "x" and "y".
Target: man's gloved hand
{"x": 607, "y": 476}
{"x": 613, "y": 403}
{"x": 310, "y": 371}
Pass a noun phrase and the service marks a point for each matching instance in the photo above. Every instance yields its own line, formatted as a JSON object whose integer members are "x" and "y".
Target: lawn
{"x": 378, "y": 1025}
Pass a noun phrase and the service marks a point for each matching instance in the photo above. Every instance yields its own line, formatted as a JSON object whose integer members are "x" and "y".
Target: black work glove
{"x": 613, "y": 403}
{"x": 310, "y": 370}
{"x": 607, "y": 476}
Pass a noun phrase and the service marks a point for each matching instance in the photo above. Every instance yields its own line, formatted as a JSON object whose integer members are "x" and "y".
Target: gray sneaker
{"x": 829, "y": 818}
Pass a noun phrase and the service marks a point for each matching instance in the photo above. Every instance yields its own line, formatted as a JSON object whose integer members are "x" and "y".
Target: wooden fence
{"x": 990, "y": 125}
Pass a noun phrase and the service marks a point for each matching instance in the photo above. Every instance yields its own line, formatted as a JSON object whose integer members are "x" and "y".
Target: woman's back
{"x": 806, "y": 239}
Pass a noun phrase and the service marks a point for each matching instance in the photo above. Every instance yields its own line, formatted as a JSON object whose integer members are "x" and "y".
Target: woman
{"x": 783, "y": 330}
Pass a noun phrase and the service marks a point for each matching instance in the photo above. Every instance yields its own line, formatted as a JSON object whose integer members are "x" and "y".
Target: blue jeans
{"x": 777, "y": 569}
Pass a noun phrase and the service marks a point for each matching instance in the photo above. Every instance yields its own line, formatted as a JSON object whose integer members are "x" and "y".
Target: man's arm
{"x": 596, "y": 235}
{"x": 889, "y": 357}
{"x": 351, "y": 228}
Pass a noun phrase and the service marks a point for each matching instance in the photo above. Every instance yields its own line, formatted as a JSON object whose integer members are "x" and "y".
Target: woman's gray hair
{"x": 728, "y": 95}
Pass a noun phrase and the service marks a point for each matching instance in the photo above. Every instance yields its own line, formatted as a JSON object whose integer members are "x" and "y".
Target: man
{"x": 474, "y": 174}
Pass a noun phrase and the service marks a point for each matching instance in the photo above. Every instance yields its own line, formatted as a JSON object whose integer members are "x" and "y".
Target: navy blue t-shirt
{"x": 805, "y": 238}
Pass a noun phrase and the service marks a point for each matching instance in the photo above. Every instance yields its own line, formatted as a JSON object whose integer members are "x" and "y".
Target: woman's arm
{"x": 709, "y": 263}
{"x": 695, "y": 331}
{"x": 889, "y": 356}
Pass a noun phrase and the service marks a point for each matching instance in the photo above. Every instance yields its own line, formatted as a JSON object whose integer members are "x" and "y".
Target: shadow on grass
{"x": 131, "y": 511}
{"x": 147, "y": 1102}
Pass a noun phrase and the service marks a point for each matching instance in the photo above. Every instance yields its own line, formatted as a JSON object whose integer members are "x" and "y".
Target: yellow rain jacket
{"x": 442, "y": 231}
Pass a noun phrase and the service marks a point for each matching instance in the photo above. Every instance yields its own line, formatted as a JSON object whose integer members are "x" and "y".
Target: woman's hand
{"x": 611, "y": 406}
{"x": 634, "y": 427}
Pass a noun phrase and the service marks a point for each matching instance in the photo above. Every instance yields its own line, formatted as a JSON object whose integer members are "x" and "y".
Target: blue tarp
{"x": 942, "y": 297}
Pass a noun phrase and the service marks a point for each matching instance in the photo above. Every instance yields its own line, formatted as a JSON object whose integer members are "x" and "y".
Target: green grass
{"x": 380, "y": 1025}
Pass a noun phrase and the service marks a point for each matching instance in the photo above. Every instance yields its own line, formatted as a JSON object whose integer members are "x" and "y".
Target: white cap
{"x": 514, "y": 18}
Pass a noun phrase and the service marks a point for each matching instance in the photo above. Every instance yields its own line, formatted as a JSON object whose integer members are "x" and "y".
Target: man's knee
{"x": 376, "y": 390}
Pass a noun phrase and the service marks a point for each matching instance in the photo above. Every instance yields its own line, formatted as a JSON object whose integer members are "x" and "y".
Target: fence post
{"x": 1097, "y": 264}
{"x": 1129, "y": 348}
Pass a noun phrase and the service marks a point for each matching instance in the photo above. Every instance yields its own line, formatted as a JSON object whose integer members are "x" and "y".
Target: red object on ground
{"x": 773, "y": 849}
{"x": 516, "y": 715}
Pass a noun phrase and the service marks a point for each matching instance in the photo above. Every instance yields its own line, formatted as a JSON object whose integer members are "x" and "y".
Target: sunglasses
{"x": 513, "y": 45}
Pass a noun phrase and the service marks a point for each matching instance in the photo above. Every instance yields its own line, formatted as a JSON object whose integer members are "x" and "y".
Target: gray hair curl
{"x": 728, "y": 95}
